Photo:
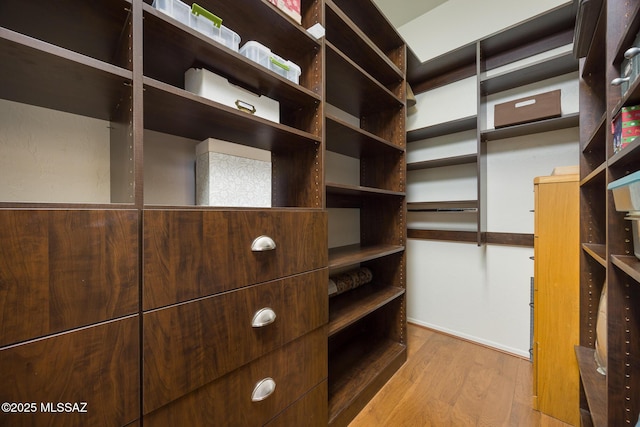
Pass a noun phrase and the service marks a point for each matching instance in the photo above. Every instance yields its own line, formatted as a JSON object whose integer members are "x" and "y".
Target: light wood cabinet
{"x": 556, "y": 329}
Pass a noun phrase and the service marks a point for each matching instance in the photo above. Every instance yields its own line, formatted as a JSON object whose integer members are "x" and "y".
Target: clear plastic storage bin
{"x": 263, "y": 56}
{"x": 626, "y": 193}
{"x": 211, "y": 25}
{"x": 174, "y": 8}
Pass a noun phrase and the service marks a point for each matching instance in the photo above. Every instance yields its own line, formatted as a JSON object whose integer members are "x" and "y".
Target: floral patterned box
{"x": 233, "y": 175}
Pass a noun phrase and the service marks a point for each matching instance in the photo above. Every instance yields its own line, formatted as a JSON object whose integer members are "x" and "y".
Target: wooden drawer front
{"x": 191, "y": 254}
{"x": 189, "y": 345}
{"x": 98, "y": 365}
{"x": 309, "y": 411}
{"x": 63, "y": 269}
{"x": 295, "y": 368}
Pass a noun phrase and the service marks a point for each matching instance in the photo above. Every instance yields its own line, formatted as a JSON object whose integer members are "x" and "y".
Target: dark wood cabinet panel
{"x": 295, "y": 368}
{"x": 62, "y": 269}
{"x": 310, "y": 410}
{"x": 190, "y": 254}
{"x": 97, "y": 365}
{"x": 192, "y": 344}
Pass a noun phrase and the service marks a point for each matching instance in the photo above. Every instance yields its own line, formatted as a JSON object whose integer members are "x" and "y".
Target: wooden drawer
{"x": 309, "y": 411}
{"x": 296, "y": 368}
{"x": 191, "y": 254}
{"x": 60, "y": 270}
{"x": 192, "y": 344}
{"x": 98, "y": 365}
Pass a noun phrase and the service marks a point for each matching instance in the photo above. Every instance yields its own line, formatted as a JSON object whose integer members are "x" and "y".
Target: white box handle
{"x": 525, "y": 103}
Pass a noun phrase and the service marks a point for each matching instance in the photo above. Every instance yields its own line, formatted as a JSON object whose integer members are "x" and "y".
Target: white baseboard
{"x": 497, "y": 346}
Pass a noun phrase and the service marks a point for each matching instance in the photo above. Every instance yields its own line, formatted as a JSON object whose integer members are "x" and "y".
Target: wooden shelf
{"x": 369, "y": 20}
{"x": 38, "y": 73}
{"x": 94, "y": 29}
{"x": 595, "y": 59}
{"x": 556, "y": 65}
{"x": 585, "y": 418}
{"x": 596, "y": 135}
{"x": 444, "y": 235}
{"x": 178, "y": 112}
{"x": 171, "y": 48}
{"x": 447, "y": 161}
{"x": 564, "y": 122}
{"x": 352, "y": 141}
{"x": 444, "y": 206}
{"x": 265, "y": 23}
{"x": 347, "y": 308}
{"x": 594, "y": 384}
{"x": 586, "y": 21}
{"x": 596, "y": 177}
{"x": 629, "y": 264}
{"x": 352, "y": 89}
{"x": 352, "y": 196}
{"x": 349, "y": 39}
{"x": 441, "y": 129}
{"x": 630, "y": 32}
{"x": 361, "y": 371}
{"x": 628, "y": 157}
{"x": 447, "y": 68}
{"x": 345, "y": 256}
{"x": 597, "y": 251}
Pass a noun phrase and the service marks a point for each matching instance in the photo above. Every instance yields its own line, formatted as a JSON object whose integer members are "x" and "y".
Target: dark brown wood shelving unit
{"x": 441, "y": 129}
{"x": 565, "y": 122}
{"x": 547, "y": 31}
{"x": 109, "y": 74}
{"x": 607, "y": 253}
{"x": 344, "y": 256}
{"x": 595, "y": 384}
{"x": 444, "y": 161}
{"x": 365, "y": 77}
{"x": 347, "y": 309}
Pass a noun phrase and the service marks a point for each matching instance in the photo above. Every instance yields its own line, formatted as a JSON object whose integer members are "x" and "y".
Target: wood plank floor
{"x": 451, "y": 382}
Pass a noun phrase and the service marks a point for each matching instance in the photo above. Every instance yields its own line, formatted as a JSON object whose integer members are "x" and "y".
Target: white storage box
{"x": 212, "y": 86}
{"x": 211, "y": 26}
{"x": 174, "y": 8}
{"x": 234, "y": 175}
{"x": 626, "y": 192}
{"x": 263, "y": 56}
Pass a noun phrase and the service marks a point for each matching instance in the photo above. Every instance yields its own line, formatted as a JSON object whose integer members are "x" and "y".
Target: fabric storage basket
{"x": 234, "y": 175}
{"x": 524, "y": 110}
{"x": 217, "y": 88}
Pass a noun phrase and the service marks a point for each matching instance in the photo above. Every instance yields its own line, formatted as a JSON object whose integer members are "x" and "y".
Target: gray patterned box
{"x": 234, "y": 175}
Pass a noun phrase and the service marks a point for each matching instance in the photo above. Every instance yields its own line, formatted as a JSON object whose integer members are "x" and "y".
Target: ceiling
{"x": 399, "y": 12}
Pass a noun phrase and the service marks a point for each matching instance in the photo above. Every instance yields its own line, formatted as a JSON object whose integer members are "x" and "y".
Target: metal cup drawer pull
{"x": 263, "y": 317}
{"x": 263, "y": 389}
{"x": 631, "y": 52}
{"x": 263, "y": 243}
{"x": 618, "y": 81}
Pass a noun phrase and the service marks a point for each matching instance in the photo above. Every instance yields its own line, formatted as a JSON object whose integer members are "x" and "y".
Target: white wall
{"x": 479, "y": 293}
{"x": 55, "y": 157}
{"x": 457, "y": 23}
